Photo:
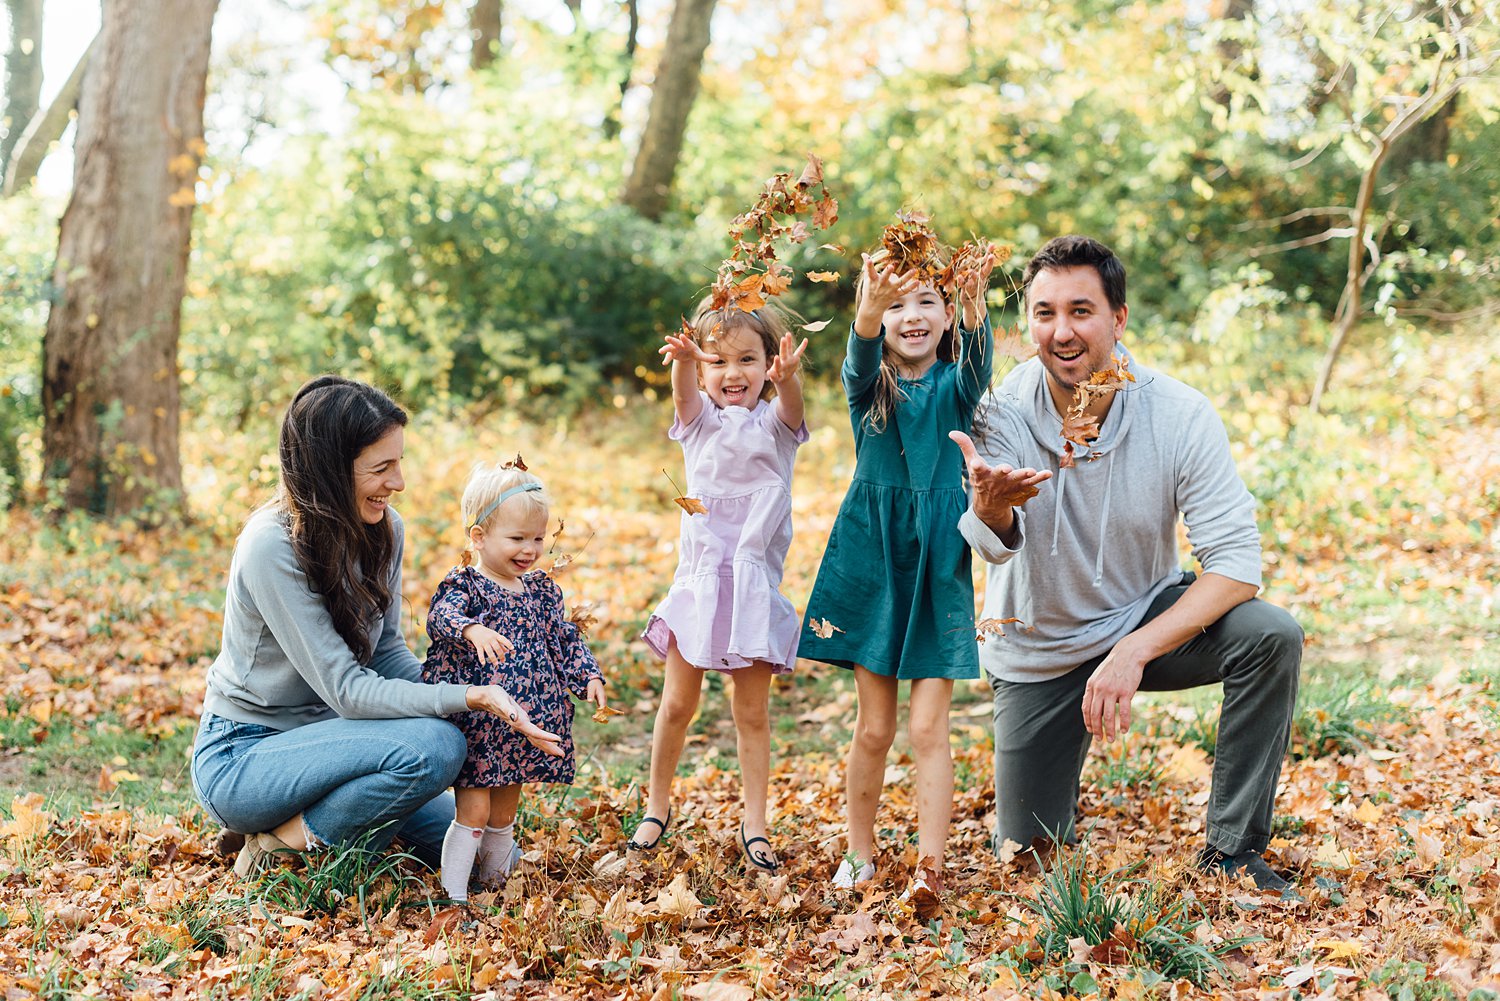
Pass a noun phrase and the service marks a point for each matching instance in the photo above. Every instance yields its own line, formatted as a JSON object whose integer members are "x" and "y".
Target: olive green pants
{"x": 1254, "y": 651}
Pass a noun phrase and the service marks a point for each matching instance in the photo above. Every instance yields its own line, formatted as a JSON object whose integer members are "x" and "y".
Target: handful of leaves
{"x": 911, "y": 244}
{"x": 752, "y": 271}
{"x": 1081, "y": 428}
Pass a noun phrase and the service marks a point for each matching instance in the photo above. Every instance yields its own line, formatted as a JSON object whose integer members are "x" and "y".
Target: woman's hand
{"x": 787, "y": 362}
{"x": 497, "y": 702}
{"x": 490, "y": 645}
{"x": 596, "y": 693}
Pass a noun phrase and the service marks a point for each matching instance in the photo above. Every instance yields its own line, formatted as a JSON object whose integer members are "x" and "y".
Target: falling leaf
{"x": 992, "y": 627}
{"x": 603, "y": 713}
{"x": 582, "y": 616}
{"x": 691, "y": 505}
{"x": 1010, "y": 344}
{"x": 823, "y": 276}
{"x": 816, "y": 326}
{"x": 837, "y": 248}
{"x": 561, "y": 524}
{"x": 517, "y": 463}
{"x": 812, "y": 173}
{"x": 823, "y": 629}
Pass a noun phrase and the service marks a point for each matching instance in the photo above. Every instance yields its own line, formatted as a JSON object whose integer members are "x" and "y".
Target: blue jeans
{"x": 346, "y": 777}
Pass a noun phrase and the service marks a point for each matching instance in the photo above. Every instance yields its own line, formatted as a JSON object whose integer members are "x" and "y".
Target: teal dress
{"x": 894, "y": 587}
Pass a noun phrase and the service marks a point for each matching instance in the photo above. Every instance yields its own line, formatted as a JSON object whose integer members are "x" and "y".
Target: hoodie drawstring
{"x": 1109, "y": 486}
{"x": 1057, "y": 505}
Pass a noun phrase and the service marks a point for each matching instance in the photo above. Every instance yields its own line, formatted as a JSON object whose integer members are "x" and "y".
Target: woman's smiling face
{"x": 377, "y": 475}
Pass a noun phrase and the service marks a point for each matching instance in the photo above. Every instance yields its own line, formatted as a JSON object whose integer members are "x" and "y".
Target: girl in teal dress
{"x": 894, "y": 598}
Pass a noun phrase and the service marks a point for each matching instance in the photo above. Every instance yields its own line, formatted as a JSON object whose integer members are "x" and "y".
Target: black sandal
{"x": 761, "y": 860}
{"x": 637, "y": 846}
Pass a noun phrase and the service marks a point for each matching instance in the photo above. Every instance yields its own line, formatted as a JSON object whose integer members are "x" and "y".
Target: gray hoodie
{"x": 1099, "y": 542}
{"x": 283, "y": 664}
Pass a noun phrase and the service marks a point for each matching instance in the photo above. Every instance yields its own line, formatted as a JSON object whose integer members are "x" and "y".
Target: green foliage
{"x": 27, "y": 246}
{"x": 1136, "y": 920}
{"x": 327, "y": 880}
{"x": 1340, "y": 718}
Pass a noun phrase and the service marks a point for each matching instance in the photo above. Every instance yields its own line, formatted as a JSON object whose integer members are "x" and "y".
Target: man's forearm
{"x": 1201, "y": 605}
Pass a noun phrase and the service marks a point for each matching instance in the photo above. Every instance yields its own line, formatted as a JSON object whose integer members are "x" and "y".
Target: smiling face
{"x": 377, "y": 475}
{"x": 737, "y": 377}
{"x": 1073, "y": 325}
{"x": 914, "y": 328}
{"x": 513, "y": 542}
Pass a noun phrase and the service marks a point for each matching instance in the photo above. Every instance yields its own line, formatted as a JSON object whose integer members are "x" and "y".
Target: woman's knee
{"x": 874, "y": 734}
{"x": 929, "y": 734}
{"x": 430, "y": 749}
{"x": 677, "y": 710}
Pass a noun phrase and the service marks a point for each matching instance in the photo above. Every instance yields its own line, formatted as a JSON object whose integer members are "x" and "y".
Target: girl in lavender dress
{"x": 724, "y": 612}
{"x": 502, "y": 620}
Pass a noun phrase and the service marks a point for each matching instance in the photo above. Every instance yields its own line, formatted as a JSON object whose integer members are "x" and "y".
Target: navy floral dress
{"x": 550, "y": 659}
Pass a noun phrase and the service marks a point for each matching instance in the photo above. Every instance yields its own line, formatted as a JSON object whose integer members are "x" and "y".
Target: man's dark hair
{"x": 1080, "y": 251}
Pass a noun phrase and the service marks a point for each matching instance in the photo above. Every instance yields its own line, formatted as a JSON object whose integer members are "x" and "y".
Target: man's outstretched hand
{"x": 998, "y": 490}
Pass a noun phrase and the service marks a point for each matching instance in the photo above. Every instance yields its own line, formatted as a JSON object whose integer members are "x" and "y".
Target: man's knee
{"x": 1270, "y": 638}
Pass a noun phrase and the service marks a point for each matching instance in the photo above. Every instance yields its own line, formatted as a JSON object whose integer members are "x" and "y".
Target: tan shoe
{"x": 258, "y": 854}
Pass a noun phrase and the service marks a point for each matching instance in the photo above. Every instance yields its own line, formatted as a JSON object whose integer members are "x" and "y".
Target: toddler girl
{"x": 724, "y": 612}
{"x": 894, "y": 599}
{"x": 500, "y": 621}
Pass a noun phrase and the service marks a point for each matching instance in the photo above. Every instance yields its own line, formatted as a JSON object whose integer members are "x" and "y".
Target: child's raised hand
{"x": 490, "y": 645}
{"x": 885, "y": 285}
{"x": 972, "y": 283}
{"x": 788, "y": 362}
{"x": 596, "y": 693}
{"x": 681, "y": 347}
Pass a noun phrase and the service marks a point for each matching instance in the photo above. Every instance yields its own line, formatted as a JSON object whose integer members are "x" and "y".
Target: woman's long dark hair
{"x": 347, "y": 562}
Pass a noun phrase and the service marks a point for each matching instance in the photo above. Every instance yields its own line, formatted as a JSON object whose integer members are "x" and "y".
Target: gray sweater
{"x": 283, "y": 664}
{"x": 1099, "y": 543}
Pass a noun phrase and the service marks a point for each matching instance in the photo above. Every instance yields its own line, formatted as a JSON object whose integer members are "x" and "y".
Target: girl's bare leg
{"x": 679, "y": 704}
{"x": 874, "y": 729}
{"x": 752, "y": 732}
{"x": 473, "y": 806}
{"x": 930, "y": 700}
{"x": 504, "y": 802}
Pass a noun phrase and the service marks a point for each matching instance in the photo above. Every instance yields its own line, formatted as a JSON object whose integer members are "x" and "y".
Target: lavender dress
{"x": 550, "y": 659}
{"x": 724, "y": 608}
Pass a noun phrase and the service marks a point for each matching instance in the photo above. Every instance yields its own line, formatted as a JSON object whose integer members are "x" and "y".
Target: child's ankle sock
{"x": 496, "y": 852}
{"x": 460, "y": 845}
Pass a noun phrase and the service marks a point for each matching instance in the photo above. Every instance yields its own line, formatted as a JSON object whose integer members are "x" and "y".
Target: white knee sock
{"x": 495, "y": 852}
{"x": 460, "y": 845}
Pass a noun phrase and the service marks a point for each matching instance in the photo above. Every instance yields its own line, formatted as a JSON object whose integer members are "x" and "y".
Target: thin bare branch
{"x": 1300, "y": 214}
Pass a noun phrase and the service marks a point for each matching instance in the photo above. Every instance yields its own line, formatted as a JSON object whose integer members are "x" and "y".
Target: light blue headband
{"x": 522, "y": 489}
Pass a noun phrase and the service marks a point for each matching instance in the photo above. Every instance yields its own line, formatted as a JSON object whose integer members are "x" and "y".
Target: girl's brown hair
{"x": 887, "y": 388}
{"x": 769, "y": 322}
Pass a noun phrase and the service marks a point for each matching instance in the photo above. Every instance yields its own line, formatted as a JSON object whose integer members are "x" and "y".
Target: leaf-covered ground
{"x": 1387, "y": 815}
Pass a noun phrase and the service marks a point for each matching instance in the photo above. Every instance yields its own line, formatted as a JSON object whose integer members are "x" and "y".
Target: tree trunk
{"x": 484, "y": 28}
{"x": 1231, "y": 49}
{"x": 632, "y": 33}
{"x": 23, "y": 73}
{"x": 109, "y": 356}
{"x": 45, "y": 129}
{"x": 672, "y": 96}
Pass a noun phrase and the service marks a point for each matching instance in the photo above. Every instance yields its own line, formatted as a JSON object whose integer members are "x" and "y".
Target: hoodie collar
{"x": 1028, "y": 384}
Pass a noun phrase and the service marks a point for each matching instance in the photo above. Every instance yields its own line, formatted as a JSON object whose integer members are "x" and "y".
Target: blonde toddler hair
{"x": 486, "y": 485}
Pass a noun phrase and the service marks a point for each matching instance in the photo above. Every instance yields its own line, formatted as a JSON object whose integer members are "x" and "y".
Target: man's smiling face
{"x": 1073, "y": 325}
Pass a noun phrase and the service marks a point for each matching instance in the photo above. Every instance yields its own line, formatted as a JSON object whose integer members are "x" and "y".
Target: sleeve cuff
{"x": 985, "y": 542}
{"x": 452, "y": 699}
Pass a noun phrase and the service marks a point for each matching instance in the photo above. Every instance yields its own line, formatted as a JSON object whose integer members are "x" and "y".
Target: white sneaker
{"x": 845, "y": 878}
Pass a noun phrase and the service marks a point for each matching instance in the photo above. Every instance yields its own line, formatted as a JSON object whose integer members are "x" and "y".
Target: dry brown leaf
{"x": 691, "y": 505}
{"x": 992, "y": 627}
{"x": 678, "y": 899}
{"x": 516, "y": 463}
{"x": 823, "y": 629}
{"x": 603, "y": 713}
{"x": 823, "y": 276}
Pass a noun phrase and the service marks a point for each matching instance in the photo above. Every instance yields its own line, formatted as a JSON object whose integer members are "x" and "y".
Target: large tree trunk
{"x": 672, "y": 97}
{"x": 23, "y": 73}
{"x": 484, "y": 29}
{"x": 110, "y": 389}
{"x": 45, "y": 129}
